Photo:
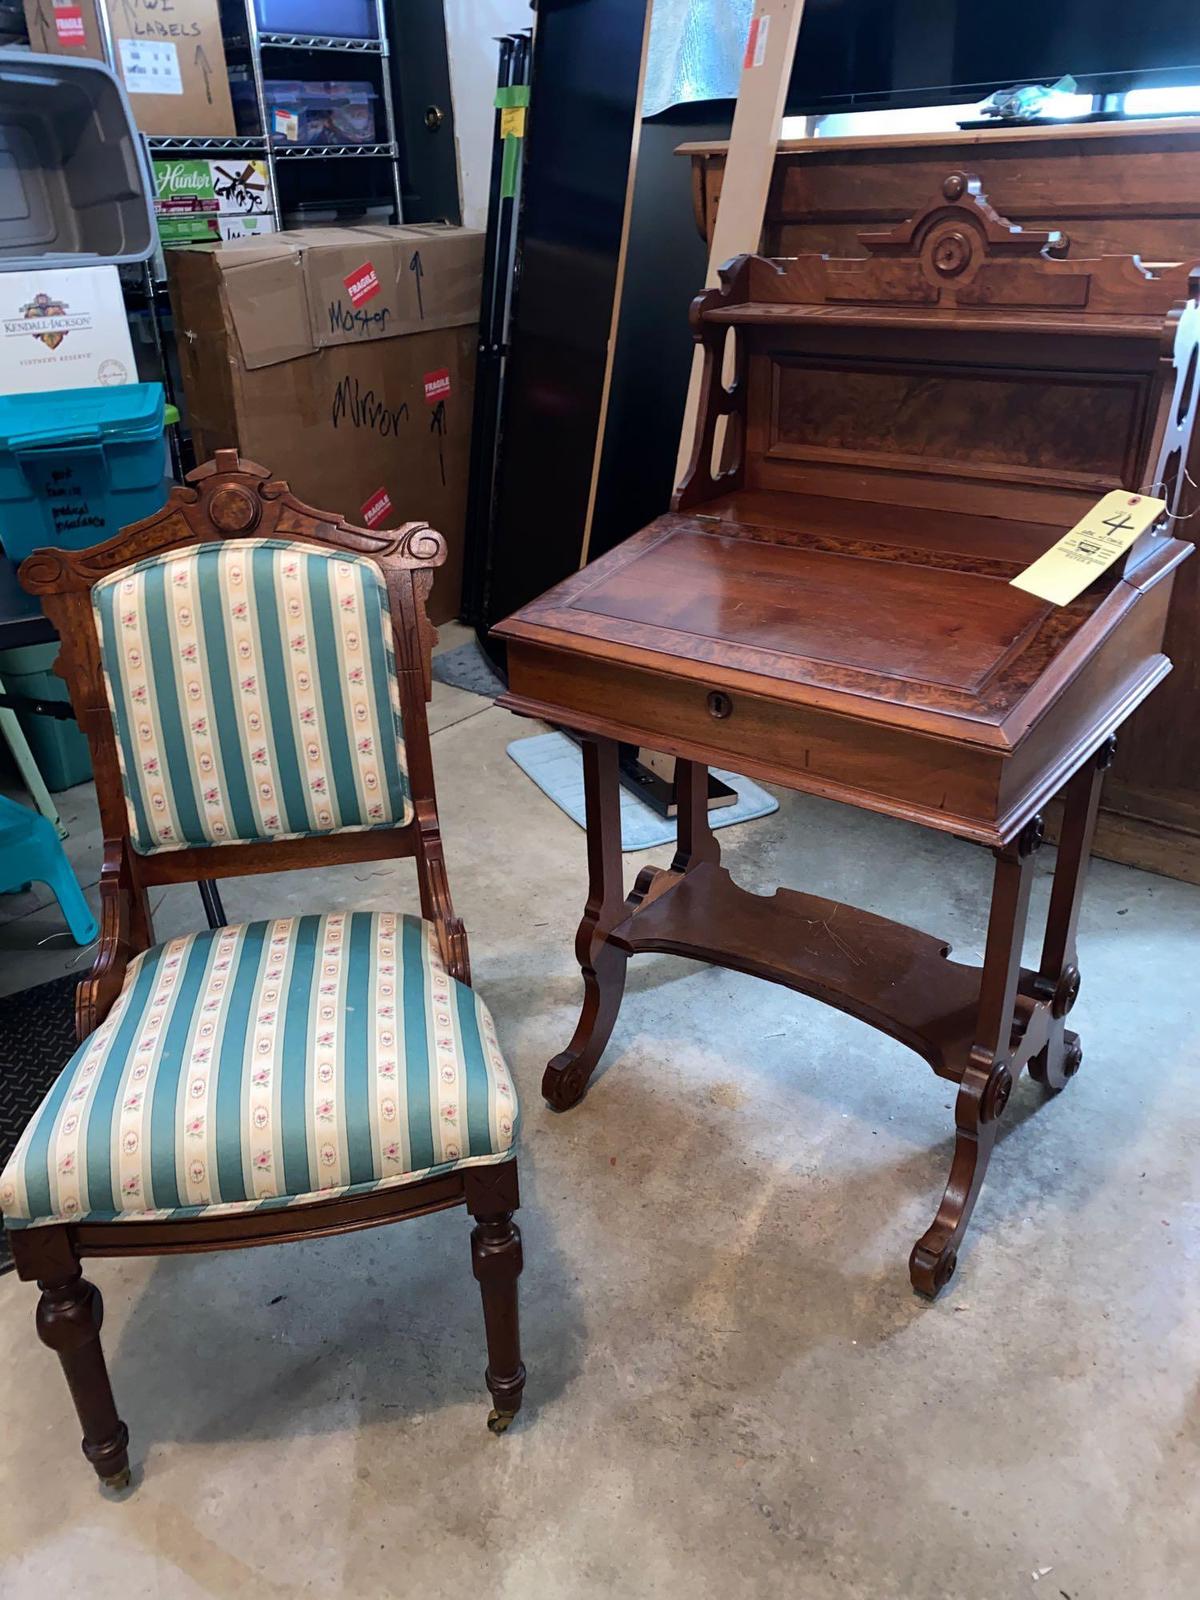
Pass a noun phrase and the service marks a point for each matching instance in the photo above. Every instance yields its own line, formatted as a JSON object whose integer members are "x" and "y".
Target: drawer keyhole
{"x": 719, "y": 704}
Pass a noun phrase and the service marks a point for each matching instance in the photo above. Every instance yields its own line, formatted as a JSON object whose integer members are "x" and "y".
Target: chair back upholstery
{"x": 254, "y": 694}
{"x": 251, "y": 675}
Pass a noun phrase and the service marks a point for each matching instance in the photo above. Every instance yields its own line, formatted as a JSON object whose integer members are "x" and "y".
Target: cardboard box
{"x": 206, "y": 227}
{"x": 343, "y": 359}
{"x": 230, "y": 186}
{"x": 169, "y": 55}
{"x": 63, "y": 329}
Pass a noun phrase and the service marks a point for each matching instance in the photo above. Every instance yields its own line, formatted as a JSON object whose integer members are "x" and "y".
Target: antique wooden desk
{"x": 1117, "y": 188}
{"x": 828, "y": 607}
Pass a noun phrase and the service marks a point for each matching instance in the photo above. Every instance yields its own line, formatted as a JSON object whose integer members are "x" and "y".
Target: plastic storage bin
{"x": 75, "y": 184}
{"x": 320, "y": 113}
{"x": 77, "y": 465}
{"x": 330, "y": 19}
{"x": 59, "y": 748}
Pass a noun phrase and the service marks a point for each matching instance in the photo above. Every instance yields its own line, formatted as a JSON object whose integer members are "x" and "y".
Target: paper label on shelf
{"x": 1093, "y": 544}
{"x": 150, "y": 67}
{"x": 362, "y": 284}
{"x": 68, "y": 25}
{"x": 512, "y": 122}
{"x": 287, "y": 125}
{"x": 437, "y": 385}
{"x": 756, "y": 42}
{"x": 376, "y": 508}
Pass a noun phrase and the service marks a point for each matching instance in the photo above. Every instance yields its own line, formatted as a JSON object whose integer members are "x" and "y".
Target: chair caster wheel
{"x": 501, "y": 1421}
{"x": 119, "y": 1480}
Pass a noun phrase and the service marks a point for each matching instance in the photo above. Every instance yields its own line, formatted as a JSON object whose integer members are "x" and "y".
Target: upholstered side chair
{"x": 251, "y": 675}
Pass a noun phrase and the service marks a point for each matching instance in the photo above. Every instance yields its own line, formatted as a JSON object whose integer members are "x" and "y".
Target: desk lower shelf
{"x": 892, "y": 977}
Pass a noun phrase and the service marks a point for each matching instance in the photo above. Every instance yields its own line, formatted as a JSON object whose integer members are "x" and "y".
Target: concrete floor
{"x": 732, "y": 1390}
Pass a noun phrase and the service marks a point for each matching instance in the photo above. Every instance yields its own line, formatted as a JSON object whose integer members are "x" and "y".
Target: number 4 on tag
{"x": 1093, "y": 544}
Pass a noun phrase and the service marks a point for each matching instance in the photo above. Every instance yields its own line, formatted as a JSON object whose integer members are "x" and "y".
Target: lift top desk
{"x": 828, "y": 606}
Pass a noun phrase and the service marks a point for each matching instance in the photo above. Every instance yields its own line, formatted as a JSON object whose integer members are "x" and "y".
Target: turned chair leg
{"x": 988, "y": 1081}
{"x": 603, "y": 966}
{"x": 1058, "y": 972}
{"x": 497, "y": 1261}
{"x": 69, "y": 1316}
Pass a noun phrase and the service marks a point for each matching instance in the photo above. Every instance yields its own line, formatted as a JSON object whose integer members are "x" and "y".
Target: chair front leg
{"x": 497, "y": 1260}
{"x": 69, "y": 1316}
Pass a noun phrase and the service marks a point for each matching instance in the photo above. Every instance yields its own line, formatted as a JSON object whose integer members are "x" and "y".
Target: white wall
{"x": 471, "y": 30}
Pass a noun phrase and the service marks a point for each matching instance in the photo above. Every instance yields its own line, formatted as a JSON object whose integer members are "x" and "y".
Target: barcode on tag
{"x": 376, "y": 508}
{"x": 362, "y": 284}
{"x": 756, "y": 42}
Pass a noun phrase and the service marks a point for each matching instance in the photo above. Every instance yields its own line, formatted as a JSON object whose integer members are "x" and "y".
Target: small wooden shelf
{"x": 892, "y": 977}
{"x": 953, "y": 319}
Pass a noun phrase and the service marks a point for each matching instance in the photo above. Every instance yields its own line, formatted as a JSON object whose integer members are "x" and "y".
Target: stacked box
{"x": 343, "y": 360}
{"x": 205, "y": 201}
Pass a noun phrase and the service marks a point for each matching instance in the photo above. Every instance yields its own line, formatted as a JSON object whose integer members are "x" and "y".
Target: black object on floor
{"x": 466, "y": 667}
{"x": 37, "y": 1039}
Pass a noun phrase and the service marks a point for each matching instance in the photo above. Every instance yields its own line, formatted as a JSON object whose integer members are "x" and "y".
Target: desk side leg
{"x": 1058, "y": 972}
{"x": 603, "y": 966}
{"x": 988, "y": 1080}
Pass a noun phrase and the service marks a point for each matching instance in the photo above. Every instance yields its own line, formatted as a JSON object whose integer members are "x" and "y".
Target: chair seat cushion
{"x": 270, "y": 1064}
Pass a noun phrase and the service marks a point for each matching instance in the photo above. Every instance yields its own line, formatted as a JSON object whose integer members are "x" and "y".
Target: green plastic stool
{"x": 30, "y": 852}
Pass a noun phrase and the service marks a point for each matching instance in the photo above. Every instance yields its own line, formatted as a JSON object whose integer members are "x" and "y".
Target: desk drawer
{"x": 898, "y": 771}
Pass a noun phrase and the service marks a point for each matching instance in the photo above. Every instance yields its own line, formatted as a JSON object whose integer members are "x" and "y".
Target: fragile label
{"x": 512, "y": 122}
{"x": 362, "y": 284}
{"x": 376, "y": 508}
{"x": 437, "y": 385}
{"x": 150, "y": 67}
{"x": 68, "y": 25}
{"x": 756, "y": 42}
{"x": 287, "y": 125}
{"x": 1093, "y": 544}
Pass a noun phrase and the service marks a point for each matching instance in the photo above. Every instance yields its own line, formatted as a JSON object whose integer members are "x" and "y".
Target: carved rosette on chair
{"x": 828, "y": 606}
{"x": 252, "y": 676}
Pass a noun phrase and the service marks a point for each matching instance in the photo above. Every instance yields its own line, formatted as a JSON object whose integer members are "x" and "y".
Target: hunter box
{"x": 343, "y": 359}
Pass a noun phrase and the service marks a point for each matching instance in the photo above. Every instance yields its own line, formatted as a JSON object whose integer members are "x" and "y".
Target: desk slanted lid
{"x": 879, "y": 630}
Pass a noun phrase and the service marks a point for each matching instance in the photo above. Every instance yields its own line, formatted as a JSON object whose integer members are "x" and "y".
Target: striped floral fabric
{"x": 268, "y": 1065}
{"x": 254, "y": 694}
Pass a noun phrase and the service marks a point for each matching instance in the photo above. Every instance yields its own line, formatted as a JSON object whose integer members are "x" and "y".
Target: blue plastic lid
{"x": 73, "y": 416}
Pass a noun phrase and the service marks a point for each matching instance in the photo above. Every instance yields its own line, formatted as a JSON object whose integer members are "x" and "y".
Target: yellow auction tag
{"x": 512, "y": 122}
{"x": 1092, "y": 545}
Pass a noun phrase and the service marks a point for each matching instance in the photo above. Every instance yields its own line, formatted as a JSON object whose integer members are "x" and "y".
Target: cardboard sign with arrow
{"x": 170, "y": 56}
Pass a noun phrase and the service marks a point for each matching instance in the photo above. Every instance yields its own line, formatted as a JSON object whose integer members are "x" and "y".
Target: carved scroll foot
{"x": 566, "y": 1076}
{"x": 982, "y": 1097}
{"x": 1055, "y": 1066}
